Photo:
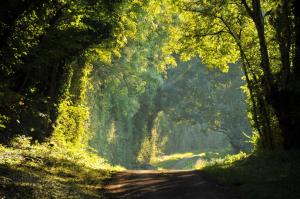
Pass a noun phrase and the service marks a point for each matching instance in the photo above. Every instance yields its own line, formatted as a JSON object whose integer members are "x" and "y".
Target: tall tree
{"x": 40, "y": 41}
{"x": 262, "y": 35}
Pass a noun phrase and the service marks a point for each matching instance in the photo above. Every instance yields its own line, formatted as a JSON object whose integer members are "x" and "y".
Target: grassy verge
{"x": 171, "y": 161}
{"x": 45, "y": 171}
{"x": 273, "y": 175}
{"x": 189, "y": 160}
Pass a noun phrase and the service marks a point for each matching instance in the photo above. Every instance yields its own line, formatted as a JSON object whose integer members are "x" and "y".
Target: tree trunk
{"x": 287, "y": 103}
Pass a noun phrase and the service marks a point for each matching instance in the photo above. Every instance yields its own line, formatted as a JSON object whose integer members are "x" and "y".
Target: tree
{"x": 207, "y": 98}
{"x": 126, "y": 84}
{"x": 41, "y": 41}
{"x": 261, "y": 35}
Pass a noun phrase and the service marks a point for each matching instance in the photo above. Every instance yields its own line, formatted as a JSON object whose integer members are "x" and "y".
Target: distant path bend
{"x": 171, "y": 184}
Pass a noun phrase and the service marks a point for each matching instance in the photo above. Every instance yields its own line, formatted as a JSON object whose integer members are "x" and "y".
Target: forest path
{"x": 182, "y": 163}
{"x": 166, "y": 184}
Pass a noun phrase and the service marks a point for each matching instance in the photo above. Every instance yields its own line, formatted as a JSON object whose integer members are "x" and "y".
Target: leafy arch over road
{"x": 74, "y": 70}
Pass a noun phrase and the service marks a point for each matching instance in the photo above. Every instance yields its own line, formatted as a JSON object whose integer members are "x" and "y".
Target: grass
{"x": 46, "y": 171}
{"x": 189, "y": 160}
{"x": 265, "y": 175}
{"x": 43, "y": 171}
{"x": 172, "y": 161}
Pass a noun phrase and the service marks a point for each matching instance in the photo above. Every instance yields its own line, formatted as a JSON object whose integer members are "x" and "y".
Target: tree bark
{"x": 258, "y": 19}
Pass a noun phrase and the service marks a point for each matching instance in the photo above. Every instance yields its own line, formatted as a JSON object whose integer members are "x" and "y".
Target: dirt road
{"x": 148, "y": 184}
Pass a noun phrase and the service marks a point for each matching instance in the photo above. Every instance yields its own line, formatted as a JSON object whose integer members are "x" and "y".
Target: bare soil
{"x": 171, "y": 184}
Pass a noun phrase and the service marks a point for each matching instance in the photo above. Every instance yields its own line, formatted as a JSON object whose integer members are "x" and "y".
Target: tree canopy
{"x": 123, "y": 76}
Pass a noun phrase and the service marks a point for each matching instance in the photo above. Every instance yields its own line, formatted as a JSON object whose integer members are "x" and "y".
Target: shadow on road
{"x": 151, "y": 184}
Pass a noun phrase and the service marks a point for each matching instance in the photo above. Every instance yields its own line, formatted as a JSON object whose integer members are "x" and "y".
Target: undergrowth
{"x": 265, "y": 175}
{"x": 49, "y": 171}
{"x": 260, "y": 175}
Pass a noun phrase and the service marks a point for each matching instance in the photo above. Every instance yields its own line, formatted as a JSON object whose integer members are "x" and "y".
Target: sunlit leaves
{"x": 104, "y": 55}
{"x": 3, "y": 120}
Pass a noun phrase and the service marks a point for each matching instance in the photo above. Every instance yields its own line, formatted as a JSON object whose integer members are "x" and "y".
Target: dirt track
{"x": 148, "y": 184}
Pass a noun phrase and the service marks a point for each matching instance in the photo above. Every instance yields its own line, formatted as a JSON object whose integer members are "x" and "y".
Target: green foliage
{"x": 151, "y": 147}
{"x": 82, "y": 73}
{"x": 92, "y": 74}
{"x": 211, "y": 102}
{"x": 260, "y": 175}
{"x": 258, "y": 34}
{"x": 129, "y": 92}
{"x": 76, "y": 74}
{"x": 145, "y": 154}
{"x": 125, "y": 84}
{"x": 71, "y": 124}
{"x": 21, "y": 142}
{"x": 47, "y": 170}
{"x": 3, "y": 121}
